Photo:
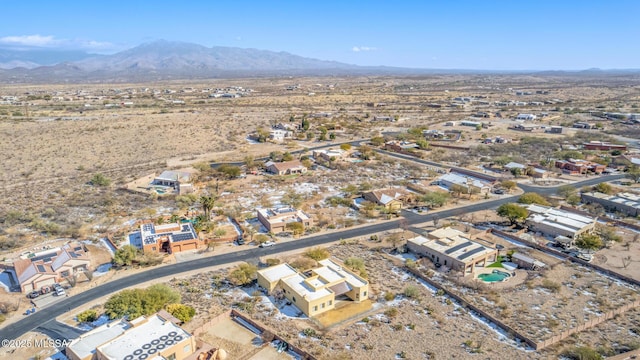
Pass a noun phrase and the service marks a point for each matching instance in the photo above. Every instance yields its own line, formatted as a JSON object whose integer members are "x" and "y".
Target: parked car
{"x": 33, "y": 294}
{"x": 240, "y": 241}
{"x": 60, "y": 291}
{"x": 267, "y": 244}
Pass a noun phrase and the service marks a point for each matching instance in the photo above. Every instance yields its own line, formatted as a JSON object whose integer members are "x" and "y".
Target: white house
{"x": 526, "y": 117}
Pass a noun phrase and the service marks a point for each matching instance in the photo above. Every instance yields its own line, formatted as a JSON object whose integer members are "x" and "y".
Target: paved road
{"x": 43, "y": 317}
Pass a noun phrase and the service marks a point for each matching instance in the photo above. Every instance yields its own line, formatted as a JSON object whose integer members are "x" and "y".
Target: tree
{"x": 366, "y": 152}
{"x": 305, "y": 124}
{"x": 345, "y": 147}
{"x": 87, "y": 316}
{"x": 297, "y": 228}
{"x": 243, "y": 274}
{"x": 229, "y": 171}
{"x": 422, "y": 144}
{"x": 457, "y": 189}
{"x": 317, "y": 253}
{"x": 516, "y": 171}
{"x": 590, "y": 242}
{"x": 249, "y": 161}
{"x": 582, "y": 353}
{"x": 573, "y": 199}
{"x": 356, "y": 264}
{"x": 262, "y": 134}
{"x": 137, "y": 302}
{"x": 207, "y": 202}
{"x": 182, "y": 312}
{"x": 100, "y": 180}
{"x": 604, "y": 188}
{"x": 125, "y": 255}
{"x": 533, "y": 198}
{"x": 608, "y": 234}
{"x": 508, "y": 184}
{"x": 292, "y": 198}
{"x": 633, "y": 173}
{"x": 567, "y": 190}
{"x": 394, "y": 239}
{"x": 514, "y": 212}
{"x": 377, "y": 140}
{"x": 435, "y": 199}
{"x": 332, "y": 136}
{"x": 251, "y": 230}
{"x": 287, "y": 156}
{"x": 262, "y": 238}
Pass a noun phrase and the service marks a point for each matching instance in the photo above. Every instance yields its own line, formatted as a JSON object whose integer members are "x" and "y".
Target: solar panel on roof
{"x": 73, "y": 255}
{"x": 77, "y": 248}
{"x": 470, "y": 253}
{"x": 458, "y": 247}
{"x": 40, "y": 268}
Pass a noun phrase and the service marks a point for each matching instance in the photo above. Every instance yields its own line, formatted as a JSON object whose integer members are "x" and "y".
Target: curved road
{"x": 48, "y": 314}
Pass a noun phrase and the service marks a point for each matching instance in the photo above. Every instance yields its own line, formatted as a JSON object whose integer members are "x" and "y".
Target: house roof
{"x": 87, "y": 343}
{"x": 385, "y": 196}
{"x": 287, "y": 165}
{"x": 145, "y": 331}
{"x": 515, "y": 165}
{"x": 169, "y": 175}
{"x": 48, "y": 262}
{"x": 452, "y": 243}
{"x": 557, "y": 218}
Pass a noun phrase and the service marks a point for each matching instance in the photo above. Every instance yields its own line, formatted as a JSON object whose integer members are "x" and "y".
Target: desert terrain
{"x": 57, "y": 138}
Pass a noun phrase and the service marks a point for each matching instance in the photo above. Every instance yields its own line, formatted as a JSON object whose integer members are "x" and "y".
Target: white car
{"x": 267, "y": 244}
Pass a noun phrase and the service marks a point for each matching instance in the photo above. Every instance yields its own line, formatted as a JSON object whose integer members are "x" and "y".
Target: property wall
{"x": 303, "y": 354}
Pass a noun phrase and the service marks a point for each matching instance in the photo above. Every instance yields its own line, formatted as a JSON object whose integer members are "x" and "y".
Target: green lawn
{"x": 497, "y": 264}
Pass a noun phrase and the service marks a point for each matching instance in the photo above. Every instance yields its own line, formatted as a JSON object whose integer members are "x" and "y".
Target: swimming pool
{"x": 495, "y": 276}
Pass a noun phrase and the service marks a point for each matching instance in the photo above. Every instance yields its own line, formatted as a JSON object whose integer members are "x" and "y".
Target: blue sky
{"x": 499, "y": 35}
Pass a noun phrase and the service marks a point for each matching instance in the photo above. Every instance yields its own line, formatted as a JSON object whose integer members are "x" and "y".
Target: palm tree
{"x": 207, "y": 202}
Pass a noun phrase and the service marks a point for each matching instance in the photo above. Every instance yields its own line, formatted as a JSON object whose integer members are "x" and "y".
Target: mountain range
{"x": 157, "y": 61}
{"x": 165, "y": 60}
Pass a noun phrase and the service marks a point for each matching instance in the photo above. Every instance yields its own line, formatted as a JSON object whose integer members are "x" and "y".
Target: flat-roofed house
{"x": 556, "y": 222}
{"x": 469, "y": 183}
{"x": 330, "y": 154}
{"x": 51, "y": 266}
{"x": 286, "y": 167}
{"x": 526, "y": 262}
{"x": 275, "y": 220}
{"x": 315, "y": 292}
{"x": 600, "y": 145}
{"x": 165, "y": 238}
{"x": 173, "y": 179}
{"x": 454, "y": 249}
{"x": 579, "y": 166}
{"x": 627, "y": 203}
{"x": 155, "y": 337}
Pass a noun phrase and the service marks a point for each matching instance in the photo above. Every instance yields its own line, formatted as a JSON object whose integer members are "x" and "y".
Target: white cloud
{"x": 363, "y": 48}
{"x": 30, "y": 40}
{"x": 50, "y": 41}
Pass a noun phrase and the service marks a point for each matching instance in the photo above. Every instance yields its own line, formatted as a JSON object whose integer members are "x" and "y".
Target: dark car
{"x": 33, "y": 295}
{"x": 240, "y": 241}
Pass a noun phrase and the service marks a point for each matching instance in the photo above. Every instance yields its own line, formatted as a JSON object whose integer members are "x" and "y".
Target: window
{"x": 172, "y": 357}
{"x": 330, "y": 302}
{"x": 154, "y": 248}
{"x": 315, "y": 308}
{"x": 187, "y": 349}
{"x": 64, "y": 273}
{"x": 322, "y": 305}
{"x": 365, "y": 293}
{"x": 294, "y": 299}
{"x": 445, "y": 262}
